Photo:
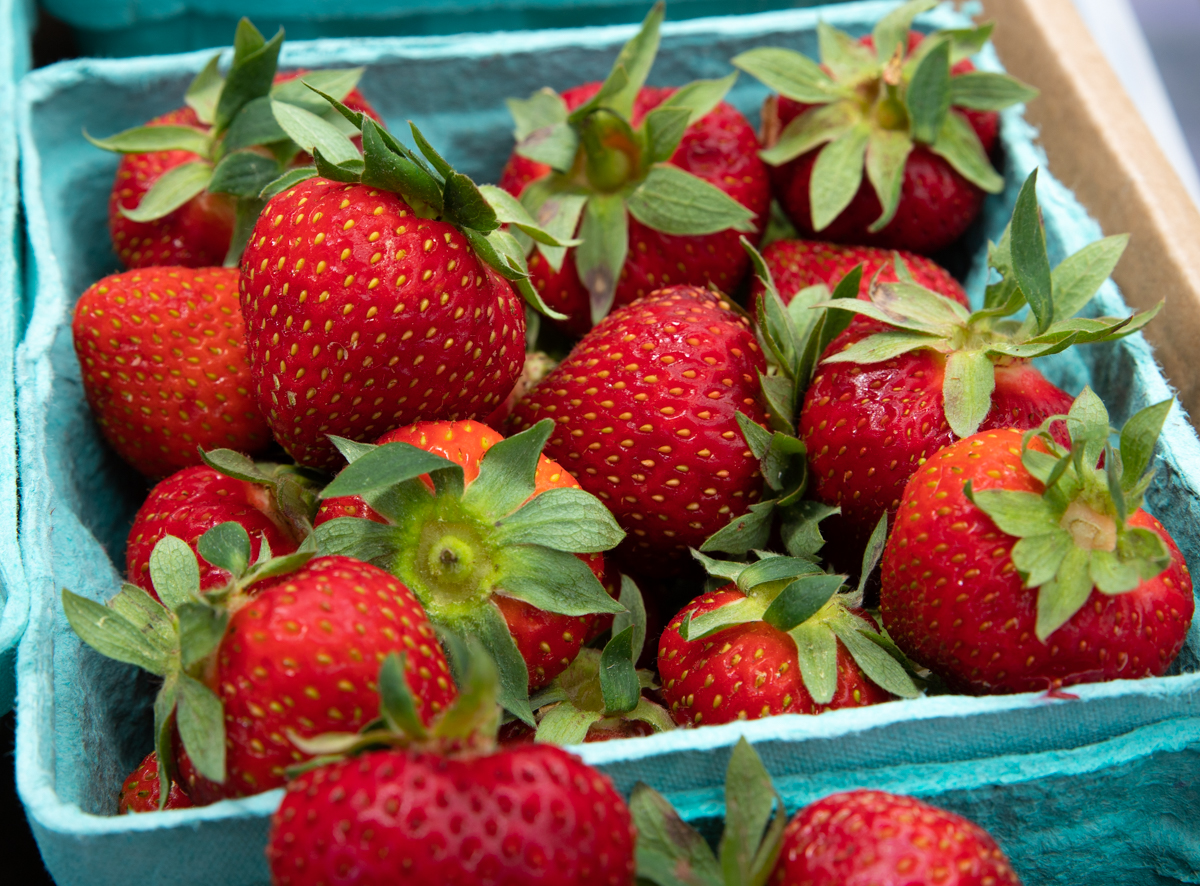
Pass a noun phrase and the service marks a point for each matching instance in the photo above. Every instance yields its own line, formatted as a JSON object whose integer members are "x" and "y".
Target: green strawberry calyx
{"x": 292, "y": 489}
{"x": 468, "y": 725}
{"x": 670, "y": 852}
{"x": 253, "y": 130}
{"x": 872, "y": 105}
{"x": 176, "y": 638}
{"x": 603, "y": 687}
{"x": 975, "y": 343}
{"x": 486, "y": 215}
{"x": 458, "y": 546}
{"x": 604, "y": 170}
{"x": 1074, "y": 536}
{"x": 813, "y": 607}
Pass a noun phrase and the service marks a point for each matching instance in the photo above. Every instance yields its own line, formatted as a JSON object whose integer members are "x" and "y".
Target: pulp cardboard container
{"x": 84, "y": 721}
{"x": 15, "y": 18}
{"x": 129, "y": 27}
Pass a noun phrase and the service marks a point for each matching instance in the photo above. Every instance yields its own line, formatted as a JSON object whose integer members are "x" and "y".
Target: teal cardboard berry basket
{"x": 84, "y": 721}
{"x": 129, "y": 28}
{"x": 15, "y": 19}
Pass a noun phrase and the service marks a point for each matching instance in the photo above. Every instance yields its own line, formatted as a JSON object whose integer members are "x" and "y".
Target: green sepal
{"x": 849, "y": 61}
{"x": 723, "y": 569}
{"x": 152, "y": 618}
{"x": 144, "y": 139}
{"x": 174, "y": 572}
{"x": 634, "y": 615}
{"x": 201, "y": 627}
{"x": 958, "y": 145}
{"x": 366, "y": 540}
{"x": 164, "y": 733}
{"x": 1138, "y": 438}
{"x": 599, "y": 259}
{"x": 663, "y": 130}
{"x": 813, "y": 128}
{"x": 676, "y": 202}
{"x": 227, "y": 546}
{"x": 203, "y": 92}
{"x": 670, "y": 852}
{"x": 171, "y": 190}
{"x": 507, "y": 472}
{"x": 755, "y": 819}
{"x": 776, "y": 569}
{"x": 928, "y": 94}
{"x": 388, "y": 465}
{"x": 250, "y": 76}
{"x": 553, "y": 581}
{"x": 513, "y": 676}
{"x": 966, "y": 42}
{"x": 113, "y": 635}
{"x": 254, "y": 124}
{"x": 800, "y": 527}
{"x": 891, "y": 31}
{"x": 565, "y": 724}
{"x": 873, "y": 553}
{"x": 635, "y": 59}
{"x": 336, "y": 83}
{"x": 801, "y": 600}
{"x": 313, "y": 133}
{"x": 618, "y": 674}
{"x": 697, "y": 627}
{"x": 988, "y": 91}
{"x": 563, "y": 519}
{"x": 967, "y": 389}
{"x": 887, "y": 156}
{"x": 837, "y": 175}
{"x": 1031, "y": 264}
{"x": 289, "y": 179}
{"x": 397, "y": 705}
{"x": 559, "y": 213}
{"x": 882, "y": 669}
{"x": 816, "y": 653}
{"x": 743, "y": 533}
{"x": 700, "y": 97}
{"x": 509, "y": 210}
{"x": 789, "y": 73}
{"x": 243, "y": 174}
{"x": 200, "y": 718}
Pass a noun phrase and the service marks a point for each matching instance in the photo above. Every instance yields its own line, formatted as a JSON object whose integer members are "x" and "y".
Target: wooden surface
{"x": 1099, "y": 147}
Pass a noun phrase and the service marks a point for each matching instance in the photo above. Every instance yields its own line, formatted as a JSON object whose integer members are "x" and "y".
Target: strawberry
{"x": 646, "y": 407}
{"x": 162, "y": 355}
{"x": 290, "y": 648}
{"x": 140, "y": 791}
{"x": 856, "y": 838}
{"x": 368, "y": 309}
{"x": 1015, "y": 566}
{"x": 909, "y": 111}
{"x": 881, "y": 404}
{"x": 658, "y": 182}
{"x": 188, "y": 178}
{"x": 537, "y": 366}
{"x": 735, "y": 653}
{"x": 883, "y": 839}
{"x": 496, "y": 540}
{"x": 271, "y": 502}
{"x": 443, "y": 806}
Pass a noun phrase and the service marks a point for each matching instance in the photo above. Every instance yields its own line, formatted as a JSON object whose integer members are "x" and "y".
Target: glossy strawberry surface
{"x": 362, "y": 317}
{"x": 162, "y": 354}
{"x": 645, "y": 408}
{"x": 521, "y": 816}
{"x": 547, "y": 641}
{"x": 141, "y": 791}
{"x": 722, "y": 149}
{"x": 953, "y": 600}
{"x": 746, "y": 671}
{"x": 872, "y": 838}
{"x": 188, "y": 504}
{"x": 303, "y": 655}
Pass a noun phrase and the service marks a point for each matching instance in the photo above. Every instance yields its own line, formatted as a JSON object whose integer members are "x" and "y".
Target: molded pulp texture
{"x": 1025, "y": 765}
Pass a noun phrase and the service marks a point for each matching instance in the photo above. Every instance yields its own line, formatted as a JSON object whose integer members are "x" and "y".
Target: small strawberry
{"x": 496, "y": 541}
{"x": 187, "y": 188}
{"x": 886, "y": 141}
{"x": 657, "y": 181}
{"x": 368, "y": 309}
{"x": 646, "y": 408}
{"x": 162, "y": 354}
{"x": 443, "y": 806}
{"x": 856, "y": 838}
{"x": 250, "y": 669}
{"x": 273, "y": 503}
{"x": 881, "y": 404}
{"x": 887, "y": 840}
{"x": 537, "y": 366}
{"x": 778, "y": 639}
{"x": 140, "y": 791}
{"x": 1018, "y": 565}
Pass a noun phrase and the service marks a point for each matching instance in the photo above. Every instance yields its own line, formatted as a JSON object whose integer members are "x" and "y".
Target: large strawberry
{"x": 646, "y": 419}
{"x": 857, "y": 838}
{"x": 881, "y": 404}
{"x": 486, "y": 532}
{"x": 657, "y": 181}
{"x": 886, "y": 141}
{"x": 443, "y": 806}
{"x": 1017, "y": 565}
{"x": 289, "y": 649}
{"x": 380, "y": 298}
{"x": 778, "y": 639}
{"x": 273, "y": 503}
{"x": 187, "y": 188}
{"x": 162, "y": 354}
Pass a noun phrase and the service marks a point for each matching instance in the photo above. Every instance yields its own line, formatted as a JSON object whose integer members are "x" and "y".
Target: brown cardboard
{"x": 1098, "y": 145}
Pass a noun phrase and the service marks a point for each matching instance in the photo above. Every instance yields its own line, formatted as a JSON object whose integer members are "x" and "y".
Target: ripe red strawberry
{"x": 161, "y": 213}
{"x": 163, "y": 359}
{"x": 251, "y": 670}
{"x": 450, "y": 505}
{"x": 880, "y": 405}
{"x": 537, "y": 366}
{"x": 547, "y": 641}
{"x": 886, "y": 142}
{"x": 517, "y": 817}
{"x": 645, "y": 409}
{"x": 999, "y": 585}
{"x": 140, "y": 791}
{"x": 798, "y": 264}
{"x": 192, "y": 501}
{"x": 860, "y": 837}
{"x": 623, "y": 180}
{"x": 732, "y": 654}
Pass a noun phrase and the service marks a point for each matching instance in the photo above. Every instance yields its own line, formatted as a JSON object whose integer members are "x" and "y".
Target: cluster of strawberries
{"x": 393, "y": 585}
